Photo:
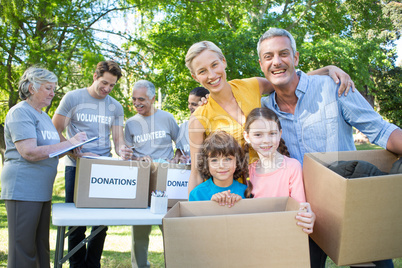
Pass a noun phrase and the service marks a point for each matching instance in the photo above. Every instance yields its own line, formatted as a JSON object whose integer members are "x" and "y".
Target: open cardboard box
{"x": 253, "y": 233}
{"x": 172, "y": 178}
{"x": 111, "y": 183}
{"x": 358, "y": 220}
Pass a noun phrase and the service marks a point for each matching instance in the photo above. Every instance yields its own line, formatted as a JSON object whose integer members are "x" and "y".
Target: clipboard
{"x": 73, "y": 147}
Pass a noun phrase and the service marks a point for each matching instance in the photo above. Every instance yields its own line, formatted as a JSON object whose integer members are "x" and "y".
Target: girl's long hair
{"x": 267, "y": 114}
{"x": 220, "y": 143}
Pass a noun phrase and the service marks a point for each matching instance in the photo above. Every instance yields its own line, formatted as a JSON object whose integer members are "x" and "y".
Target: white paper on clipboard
{"x": 72, "y": 147}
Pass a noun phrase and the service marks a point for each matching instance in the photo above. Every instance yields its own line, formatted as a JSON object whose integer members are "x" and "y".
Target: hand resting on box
{"x": 306, "y": 218}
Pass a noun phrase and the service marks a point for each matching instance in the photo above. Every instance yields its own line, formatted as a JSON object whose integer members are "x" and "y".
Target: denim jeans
{"x": 86, "y": 256}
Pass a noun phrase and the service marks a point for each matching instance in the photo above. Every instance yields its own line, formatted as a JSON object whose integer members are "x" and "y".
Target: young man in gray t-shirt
{"x": 150, "y": 134}
{"x": 91, "y": 110}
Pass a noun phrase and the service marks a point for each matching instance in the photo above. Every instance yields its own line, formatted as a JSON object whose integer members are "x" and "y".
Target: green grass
{"x": 117, "y": 249}
{"x": 367, "y": 146}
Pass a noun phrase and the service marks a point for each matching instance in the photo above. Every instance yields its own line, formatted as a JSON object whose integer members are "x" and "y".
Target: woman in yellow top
{"x": 229, "y": 102}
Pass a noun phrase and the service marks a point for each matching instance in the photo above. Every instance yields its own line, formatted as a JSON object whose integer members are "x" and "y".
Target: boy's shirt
{"x": 207, "y": 189}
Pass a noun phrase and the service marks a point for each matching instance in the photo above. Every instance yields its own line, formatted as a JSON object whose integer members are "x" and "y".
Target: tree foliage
{"x": 55, "y": 34}
{"x": 389, "y": 95}
{"x": 151, "y": 38}
{"x": 356, "y": 36}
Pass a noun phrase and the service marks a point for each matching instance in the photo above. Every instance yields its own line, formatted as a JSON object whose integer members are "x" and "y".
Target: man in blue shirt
{"x": 313, "y": 117}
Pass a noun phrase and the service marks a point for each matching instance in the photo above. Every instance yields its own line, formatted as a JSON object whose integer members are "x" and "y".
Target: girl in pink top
{"x": 274, "y": 174}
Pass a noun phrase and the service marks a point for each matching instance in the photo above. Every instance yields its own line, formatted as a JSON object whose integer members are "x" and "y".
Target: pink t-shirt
{"x": 285, "y": 181}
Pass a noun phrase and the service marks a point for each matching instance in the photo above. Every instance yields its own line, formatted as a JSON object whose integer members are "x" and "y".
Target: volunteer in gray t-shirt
{"x": 183, "y": 142}
{"x": 150, "y": 133}
{"x": 194, "y": 99}
{"x": 95, "y": 116}
{"x": 92, "y": 110}
{"x": 28, "y": 173}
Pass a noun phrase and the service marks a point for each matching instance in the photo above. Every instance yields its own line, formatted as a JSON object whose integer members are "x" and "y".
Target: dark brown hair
{"x": 220, "y": 143}
{"x": 267, "y": 114}
{"x": 270, "y": 115}
{"x": 110, "y": 67}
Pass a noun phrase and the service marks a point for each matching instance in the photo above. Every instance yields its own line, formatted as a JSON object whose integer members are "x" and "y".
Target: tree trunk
{"x": 367, "y": 96}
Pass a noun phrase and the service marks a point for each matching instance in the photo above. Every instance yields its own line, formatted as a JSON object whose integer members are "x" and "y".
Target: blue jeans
{"x": 88, "y": 257}
{"x": 318, "y": 258}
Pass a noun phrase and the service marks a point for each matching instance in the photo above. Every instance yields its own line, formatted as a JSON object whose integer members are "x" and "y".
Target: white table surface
{"x": 66, "y": 214}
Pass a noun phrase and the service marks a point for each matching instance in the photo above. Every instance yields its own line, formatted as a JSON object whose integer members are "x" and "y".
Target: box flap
{"x": 173, "y": 212}
{"x": 245, "y": 206}
{"x": 292, "y": 205}
{"x": 383, "y": 159}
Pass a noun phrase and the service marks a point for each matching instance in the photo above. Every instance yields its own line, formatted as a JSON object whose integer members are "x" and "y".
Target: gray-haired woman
{"x": 28, "y": 173}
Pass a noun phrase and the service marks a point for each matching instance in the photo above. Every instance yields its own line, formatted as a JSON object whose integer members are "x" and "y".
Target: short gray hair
{"x": 273, "y": 32}
{"x": 197, "y": 48}
{"x": 35, "y": 76}
{"x": 145, "y": 84}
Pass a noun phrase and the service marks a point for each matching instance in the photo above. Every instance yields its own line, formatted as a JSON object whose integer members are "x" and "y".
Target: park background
{"x": 149, "y": 39}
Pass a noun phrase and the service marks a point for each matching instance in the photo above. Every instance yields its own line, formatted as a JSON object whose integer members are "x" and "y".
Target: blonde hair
{"x": 197, "y": 48}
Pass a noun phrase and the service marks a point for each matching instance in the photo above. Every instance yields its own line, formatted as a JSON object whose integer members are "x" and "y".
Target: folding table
{"x": 66, "y": 214}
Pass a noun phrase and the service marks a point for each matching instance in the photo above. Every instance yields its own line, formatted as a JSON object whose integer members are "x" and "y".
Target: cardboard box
{"x": 253, "y": 233}
{"x": 172, "y": 178}
{"x": 111, "y": 183}
{"x": 358, "y": 220}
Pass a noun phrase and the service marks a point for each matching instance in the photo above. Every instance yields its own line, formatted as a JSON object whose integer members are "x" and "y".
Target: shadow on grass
{"x": 157, "y": 259}
{"x": 114, "y": 259}
{"x": 3, "y": 259}
{"x": 3, "y": 215}
{"x": 123, "y": 259}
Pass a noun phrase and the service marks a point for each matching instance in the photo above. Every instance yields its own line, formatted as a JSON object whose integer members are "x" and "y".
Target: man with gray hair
{"x": 150, "y": 133}
{"x": 313, "y": 117}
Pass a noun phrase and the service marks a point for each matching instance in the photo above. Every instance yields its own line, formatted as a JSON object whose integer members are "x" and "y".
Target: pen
{"x": 188, "y": 160}
{"x": 76, "y": 128}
